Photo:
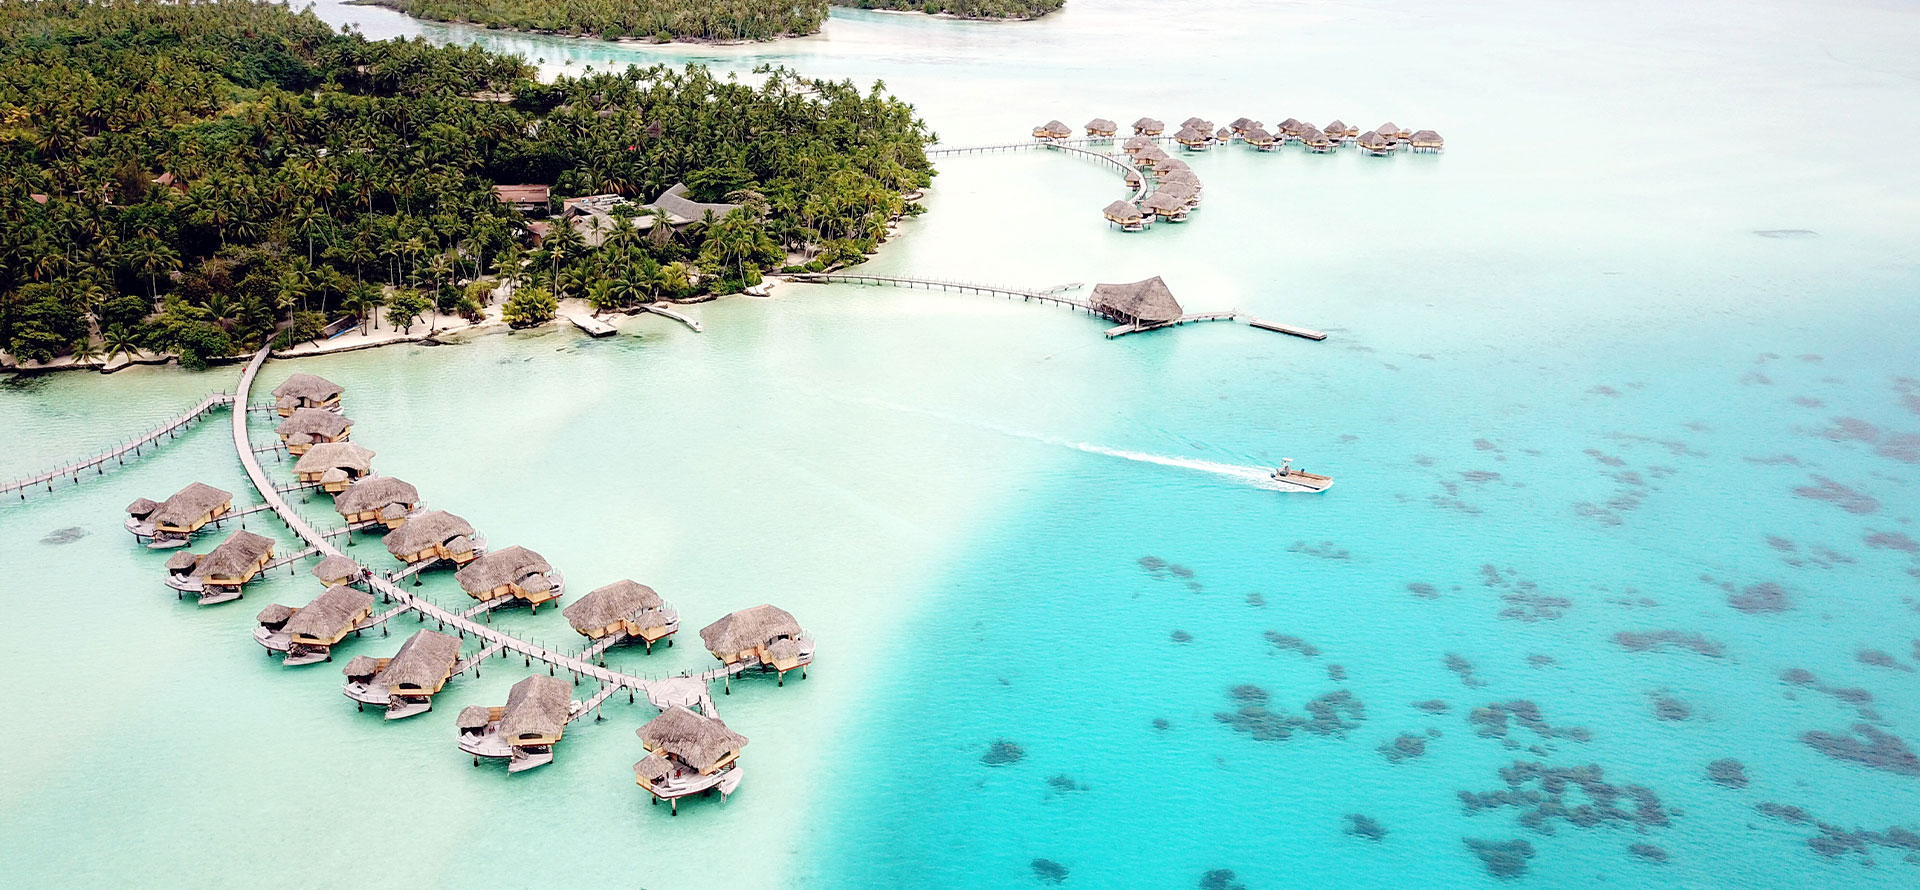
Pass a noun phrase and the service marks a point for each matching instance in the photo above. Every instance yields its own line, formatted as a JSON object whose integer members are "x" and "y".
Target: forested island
{"x": 201, "y": 177}
{"x": 700, "y": 20}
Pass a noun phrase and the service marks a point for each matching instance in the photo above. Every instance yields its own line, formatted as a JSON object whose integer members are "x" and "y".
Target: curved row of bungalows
{"x": 1142, "y": 304}
{"x": 306, "y": 391}
{"x": 333, "y": 466}
{"x": 1147, "y": 126}
{"x": 406, "y": 683}
{"x": 308, "y": 427}
{"x": 762, "y": 635}
{"x": 217, "y": 576}
{"x": 171, "y": 522}
{"x": 512, "y": 572}
{"x": 434, "y": 536}
{"x": 1101, "y": 128}
{"x": 1052, "y": 130}
{"x": 307, "y": 634}
{"x": 687, "y": 753}
{"x": 378, "y": 499}
{"x": 337, "y": 571}
{"x": 1128, "y": 217}
{"x": 627, "y": 609}
{"x": 524, "y": 731}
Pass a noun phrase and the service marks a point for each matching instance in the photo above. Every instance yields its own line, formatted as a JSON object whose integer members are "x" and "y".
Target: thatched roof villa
{"x": 305, "y": 391}
{"x": 1241, "y": 125}
{"x": 308, "y": 634}
{"x": 1291, "y": 127}
{"x": 1147, "y": 126}
{"x": 309, "y": 426}
{"x": 383, "y": 499}
{"x": 1168, "y": 207}
{"x": 1052, "y": 130}
{"x": 1145, "y": 303}
{"x": 1259, "y": 138}
{"x": 1392, "y": 132}
{"x": 687, "y": 753}
{"x": 624, "y": 607}
{"x": 434, "y": 535}
{"x": 1181, "y": 191}
{"x": 333, "y": 465}
{"x": 1193, "y": 139}
{"x": 1341, "y": 131}
{"x": 763, "y": 634}
{"x": 1126, "y": 216}
{"x": 336, "y": 570}
{"x": 1223, "y": 135}
{"x": 1101, "y": 128}
{"x": 1375, "y": 144}
{"x": 217, "y": 576}
{"x": 1426, "y": 140}
{"x": 1197, "y": 123}
{"x": 511, "y": 571}
{"x": 172, "y": 520}
{"x": 1316, "y": 141}
{"x": 407, "y": 682}
{"x": 522, "y": 732}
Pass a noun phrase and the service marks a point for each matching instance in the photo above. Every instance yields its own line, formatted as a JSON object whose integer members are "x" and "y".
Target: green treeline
{"x": 966, "y": 9}
{"x": 203, "y": 176}
{"x": 614, "y": 19}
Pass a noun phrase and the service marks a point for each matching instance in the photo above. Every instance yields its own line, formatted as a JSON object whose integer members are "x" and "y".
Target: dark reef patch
{"x": 1893, "y": 541}
{"x": 1834, "y": 841}
{"x": 1404, "y": 747}
{"x": 1063, "y": 784}
{"x": 1877, "y": 658}
{"x": 1541, "y": 661}
{"x": 1824, "y": 489}
{"x": 1337, "y": 672}
{"x": 1283, "y": 641}
{"x": 1334, "y": 713}
{"x": 1256, "y": 600}
{"x": 1541, "y": 792}
{"x": 1322, "y": 550}
{"x": 1180, "y": 636}
{"x": 1879, "y": 750}
{"x": 66, "y": 535}
{"x": 1728, "y": 772}
{"x": 1464, "y": 669}
{"x": 1423, "y": 590}
{"x": 1503, "y": 859}
{"x": 1365, "y": 826}
{"x": 1492, "y": 721}
{"x": 1648, "y": 852}
{"x": 1162, "y": 724}
{"x": 1861, "y": 699}
{"x": 1763, "y": 598}
{"x": 1657, "y": 640}
{"x": 1432, "y": 706}
{"x": 1003, "y": 753}
{"x": 1220, "y": 879}
{"x": 1904, "y": 447}
{"x": 1668, "y": 708}
{"x": 1523, "y": 599}
{"x": 1049, "y": 871}
{"x": 1851, "y": 429}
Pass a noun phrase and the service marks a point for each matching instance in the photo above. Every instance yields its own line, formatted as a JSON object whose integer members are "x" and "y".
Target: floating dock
{"x": 592, "y": 326}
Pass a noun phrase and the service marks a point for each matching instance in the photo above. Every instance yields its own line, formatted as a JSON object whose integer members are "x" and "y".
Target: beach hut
{"x": 1143, "y": 303}
{"x": 382, "y": 499}
{"x": 1052, "y": 130}
{"x": 1316, "y": 140}
{"x": 333, "y": 465}
{"x": 1147, "y": 126}
{"x": 336, "y": 570}
{"x": 307, "y": 426}
{"x": 1375, "y": 144}
{"x": 524, "y": 731}
{"x": 406, "y": 683}
{"x": 309, "y": 633}
{"x": 305, "y": 391}
{"x": 1193, "y": 139}
{"x": 764, "y": 635}
{"x": 1126, "y": 216}
{"x": 1101, "y": 128}
{"x": 434, "y": 536}
{"x": 170, "y": 522}
{"x": 217, "y": 576}
{"x": 624, "y": 608}
{"x": 512, "y": 572}
{"x": 1260, "y": 139}
{"x": 1426, "y": 140}
{"x": 687, "y": 753}
{"x": 1339, "y": 131}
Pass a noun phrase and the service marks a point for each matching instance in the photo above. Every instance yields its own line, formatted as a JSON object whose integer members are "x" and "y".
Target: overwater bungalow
{"x": 1133, "y": 180}
{"x": 406, "y": 683}
{"x": 1126, "y": 216}
{"x": 336, "y": 570}
{"x": 333, "y": 465}
{"x": 1147, "y": 126}
{"x": 308, "y": 634}
{"x": 170, "y": 522}
{"x": 1375, "y": 144}
{"x": 1152, "y": 156}
{"x": 764, "y": 635}
{"x": 512, "y": 571}
{"x": 1168, "y": 207}
{"x": 433, "y": 536}
{"x": 1196, "y": 123}
{"x": 1392, "y": 132}
{"x": 1101, "y": 128}
{"x": 383, "y": 499}
{"x": 524, "y": 731}
{"x": 1316, "y": 141}
{"x": 1426, "y": 140}
{"x": 1290, "y": 128}
{"x": 1135, "y": 144}
{"x": 1259, "y": 138}
{"x": 217, "y": 576}
{"x": 687, "y": 754}
{"x": 1052, "y": 130}
{"x": 1340, "y": 131}
{"x": 305, "y": 391}
{"x": 1171, "y": 165}
{"x": 1141, "y": 303}
{"x": 306, "y": 427}
{"x": 1224, "y": 136}
{"x": 1241, "y": 125}
{"x": 1182, "y": 177}
{"x": 1193, "y": 139}
{"x": 626, "y": 608}
{"x": 1180, "y": 191}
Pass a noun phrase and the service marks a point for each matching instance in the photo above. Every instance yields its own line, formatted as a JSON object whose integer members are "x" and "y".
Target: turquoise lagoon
{"x": 1634, "y": 356}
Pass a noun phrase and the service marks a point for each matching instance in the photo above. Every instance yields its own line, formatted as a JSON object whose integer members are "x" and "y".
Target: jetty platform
{"x": 119, "y": 453}
{"x": 593, "y": 327}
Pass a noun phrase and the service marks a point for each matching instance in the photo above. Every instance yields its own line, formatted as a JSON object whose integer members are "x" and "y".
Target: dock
{"x": 966, "y": 287}
{"x": 1295, "y": 330}
{"x": 1115, "y": 161}
{"x": 593, "y": 327}
{"x": 1193, "y": 318}
{"x": 661, "y": 310}
{"x": 119, "y": 453}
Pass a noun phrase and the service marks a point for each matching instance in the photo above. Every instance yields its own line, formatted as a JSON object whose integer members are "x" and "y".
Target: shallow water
{"x": 1559, "y": 350}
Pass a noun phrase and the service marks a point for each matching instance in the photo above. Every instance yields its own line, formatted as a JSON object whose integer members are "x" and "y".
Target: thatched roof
{"x": 1189, "y": 134}
{"x": 508, "y": 565}
{"x": 426, "y": 530}
{"x": 1374, "y": 140}
{"x": 182, "y": 561}
{"x": 699, "y": 742}
{"x": 425, "y": 659}
{"x": 614, "y": 602}
{"x": 1257, "y": 135}
{"x": 1054, "y": 128}
{"x": 1102, "y": 125}
{"x": 1141, "y": 301}
{"x": 1121, "y": 211}
{"x": 1240, "y": 123}
{"x": 682, "y": 209}
{"x": 1160, "y": 202}
{"x": 331, "y": 613}
{"x": 1338, "y": 127}
{"x": 190, "y": 503}
{"x": 1182, "y": 176}
{"x": 141, "y": 508}
{"x": 1196, "y": 123}
{"x": 234, "y": 555}
{"x": 274, "y": 614}
{"x": 1313, "y": 136}
{"x": 1388, "y": 129}
{"x": 1224, "y": 134}
{"x": 375, "y": 493}
{"x": 748, "y": 628}
{"x": 307, "y": 388}
{"x": 652, "y": 767}
{"x": 1182, "y": 191}
{"x": 473, "y": 717}
{"x": 1290, "y": 126}
{"x": 314, "y": 424}
{"x": 1171, "y": 165}
{"x": 536, "y": 706}
{"x": 1135, "y": 143}
{"x": 337, "y": 568}
{"x": 1147, "y": 123}
{"x": 335, "y": 456}
{"x": 1425, "y": 137}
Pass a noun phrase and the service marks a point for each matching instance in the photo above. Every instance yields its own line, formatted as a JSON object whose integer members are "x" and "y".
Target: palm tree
{"x": 84, "y": 351}
{"x": 152, "y": 257}
{"x": 117, "y": 341}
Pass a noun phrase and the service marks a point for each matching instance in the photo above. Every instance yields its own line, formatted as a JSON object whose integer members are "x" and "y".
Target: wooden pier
{"x": 119, "y": 454}
{"x": 1194, "y": 318}
{"x": 939, "y": 151}
{"x": 1139, "y": 191}
{"x": 661, "y": 310}
{"x": 591, "y": 326}
{"x": 965, "y": 287}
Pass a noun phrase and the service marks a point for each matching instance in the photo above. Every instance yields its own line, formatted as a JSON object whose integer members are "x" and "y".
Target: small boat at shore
{"x": 1289, "y": 479}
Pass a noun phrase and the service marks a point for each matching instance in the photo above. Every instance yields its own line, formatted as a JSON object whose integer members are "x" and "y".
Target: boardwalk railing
{"x": 1139, "y": 190}
{"x": 119, "y": 453}
{"x": 967, "y": 287}
{"x": 950, "y": 150}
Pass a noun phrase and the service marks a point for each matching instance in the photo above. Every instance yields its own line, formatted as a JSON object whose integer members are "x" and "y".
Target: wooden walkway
{"x": 1193, "y": 318}
{"x": 660, "y": 310}
{"x": 965, "y": 287}
{"x": 119, "y": 453}
{"x": 1116, "y": 162}
{"x": 952, "y": 150}
{"x": 591, "y": 326}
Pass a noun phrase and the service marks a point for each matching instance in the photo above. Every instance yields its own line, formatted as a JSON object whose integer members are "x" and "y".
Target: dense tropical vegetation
{"x": 203, "y": 176}
{"x": 966, "y": 9}
{"x": 614, "y": 19}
